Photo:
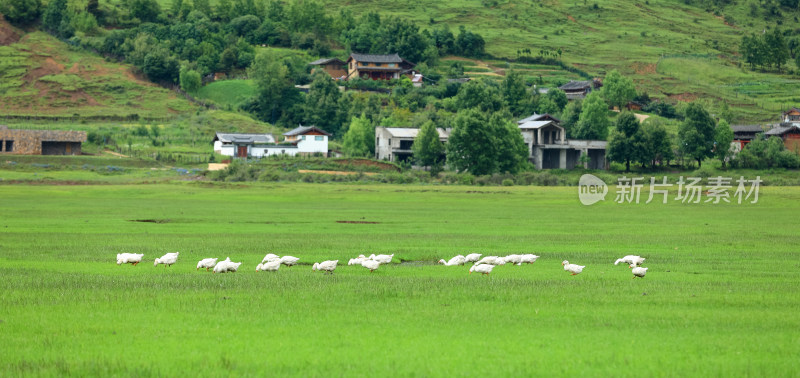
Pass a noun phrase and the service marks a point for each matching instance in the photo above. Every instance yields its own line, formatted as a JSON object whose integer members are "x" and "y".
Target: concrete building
{"x": 303, "y": 140}
{"x": 40, "y": 142}
{"x": 394, "y": 143}
{"x": 308, "y": 139}
{"x": 549, "y": 148}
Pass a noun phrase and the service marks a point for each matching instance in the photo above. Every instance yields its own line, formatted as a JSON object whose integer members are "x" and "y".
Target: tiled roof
{"x": 324, "y": 61}
{"x": 245, "y": 138}
{"x": 305, "y": 129}
{"x": 747, "y": 128}
{"x": 575, "y": 85}
{"x": 373, "y": 58}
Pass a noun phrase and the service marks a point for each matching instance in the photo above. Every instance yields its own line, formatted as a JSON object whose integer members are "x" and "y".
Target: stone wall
{"x": 29, "y": 142}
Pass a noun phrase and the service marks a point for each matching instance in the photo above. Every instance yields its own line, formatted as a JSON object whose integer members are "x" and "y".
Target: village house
{"x": 744, "y": 134}
{"x": 791, "y": 116}
{"x": 378, "y": 67}
{"x": 40, "y": 142}
{"x": 789, "y": 132}
{"x": 549, "y": 148}
{"x": 578, "y": 90}
{"x": 333, "y": 66}
{"x": 303, "y": 140}
{"x": 394, "y": 143}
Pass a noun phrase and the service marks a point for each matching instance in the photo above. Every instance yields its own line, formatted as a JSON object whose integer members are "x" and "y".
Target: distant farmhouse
{"x": 378, "y": 67}
{"x": 549, "y": 148}
{"x": 394, "y": 143}
{"x": 744, "y": 134}
{"x": 40, "y": 142}
{"x": 788, "y": 130}
{"x": 791, "y": 116}
{"x": 578, "y": 90}
{"x": 303, "y": 140}
{"x": 333, "y": 66}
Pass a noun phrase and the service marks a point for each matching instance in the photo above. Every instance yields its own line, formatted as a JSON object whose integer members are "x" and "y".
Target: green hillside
{"x": 41, "y": 76}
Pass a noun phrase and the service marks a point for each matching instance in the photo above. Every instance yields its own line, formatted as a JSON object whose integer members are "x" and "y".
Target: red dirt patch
{"x": 685, "y": 97}
{"x": 367, "y": 162}
{"x": 571, "y": 18}
{"x": 644, "y": 68}
{"x": 8, "y": 34}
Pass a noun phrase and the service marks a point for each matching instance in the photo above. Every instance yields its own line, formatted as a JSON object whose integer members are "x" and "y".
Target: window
{"x": 303, "y": 137}
{"x": 378, "y": 64}
{"x": 319, "y": 138}
{"x": 392, "y": 65}
{"x": 9, "y": 146}
{"x": 390, "y": 142}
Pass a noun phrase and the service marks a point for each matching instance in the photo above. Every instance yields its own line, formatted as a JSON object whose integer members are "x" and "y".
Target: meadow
{"x": 720, "y": 298}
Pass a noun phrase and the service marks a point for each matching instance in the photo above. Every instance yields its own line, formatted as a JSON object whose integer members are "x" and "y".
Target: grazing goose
{"x": 372, "y": 265}
{"x": 222, "y": 266}
{"x": 383, "y": 259}
{"x": 458, "y": 260}
{"x": 630, "y": 259}
{"x": 271, "y": 266}
{"x": 481, "y": 268}
{"x": 514, "y": 259}
{"x": 129, "y": 258}
{"x": 473, "y": 257}
{"x": 326, "y": 266}
{"x": 289, "y": 260}
{"x": 572, "y": 268}
{"x": 270, "y": 257}
{"x": 491, "y": 260}
{"x": 233, "y": 267}
{"x": 168, "y": 259}
{"x": 528, "y": 258}
{"x": 637, "y": 271}
{"x": 357, "y": 260}
{"x": 206, "y": 263}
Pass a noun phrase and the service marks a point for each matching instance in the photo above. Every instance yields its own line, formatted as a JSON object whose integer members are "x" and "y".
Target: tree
{"x": 626, "y": 142}
{"x": 190, "y": 80}
{"x": 428, "y": 149}
{"x": 52, "y": 16}
{"x": 558, "y": 97}
{"x": 322, "y": 103}
{"x": 483, "y": 144}
{"x": 618, "y": 90}
{"x": 593, "y": 122}
{"x": 479, "y": 94}
{"x": 778, "y": 50}
{"x": 359, "y": 138}
{"x": 696, "y": 133}
{"x": 144, "y": 10}
{"x": 570, "y": 117}
{"x": 657, "y": 143}
{"x": 469, "y": 43}
{"x": 276, "y": 92}
{"x": 514, "y": 94}
{"x": 723, "y": 137}
{"x": 21, "y": 12}
{"x": 159, "y": 65}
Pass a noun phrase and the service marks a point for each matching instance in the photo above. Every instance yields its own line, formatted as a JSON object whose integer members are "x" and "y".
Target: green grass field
{"x": 720, "y": 298}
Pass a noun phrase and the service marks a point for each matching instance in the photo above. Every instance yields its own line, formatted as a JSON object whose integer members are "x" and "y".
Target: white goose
{"x": 514, "y": 259}
{"x": 206, "y": 263}
{"x": 572, "y": 268}
{"x": 270, "y": 257}
{"x": 222, "y": 266}
{"x": 637, "y": 271}
{"x": 289, "y": 260}
{"x": 372, "y": 265}
{"x": 457, "y": 260}
{"x": 357, "y": 260}
{"x": 326, "y": 266}
{"x": 630, "y": 259}
{"x": 271, "y": 266}
{"x": 383, "y": 259}
{"x": 473, "y": 257}
{"x": 129, "y": 258}
{"x": 481, "y": 268}
{"x": 168, "y": 259}
{"x": 491, "y": 260}
{"x": 528, "y": 258}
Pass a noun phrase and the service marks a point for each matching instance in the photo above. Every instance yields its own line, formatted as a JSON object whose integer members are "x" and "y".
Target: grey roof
{"x": 244, "y": 138}
{"x": 374, "y": 58}
{"x": 575, "y": 85}
{"x": 305, "y": 129}
{"x": 324, "y": 61}
{"x": 747, "y": 128}
{"x": 538, "y": 117}
{"x": 536, "y": 124}
{"x": 780, "y": 130}
{"x": 410, "y": 132}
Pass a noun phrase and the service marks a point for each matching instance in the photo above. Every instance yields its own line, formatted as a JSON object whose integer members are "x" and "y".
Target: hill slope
{"x": 41, "y": 76}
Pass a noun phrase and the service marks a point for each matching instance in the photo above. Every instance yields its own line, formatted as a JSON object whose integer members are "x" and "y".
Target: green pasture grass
{"x": 719, "y": 299}
{"x": 228, "y": 92}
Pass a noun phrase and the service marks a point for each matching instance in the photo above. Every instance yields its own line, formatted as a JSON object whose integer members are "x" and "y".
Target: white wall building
{"x": 304, "y": 140}
{"x": 394, "y": 143}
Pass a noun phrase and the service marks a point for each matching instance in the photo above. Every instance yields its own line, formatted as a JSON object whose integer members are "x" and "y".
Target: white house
{"x": 394, "y": 143}
{"x": 308, "y": 139}
{"x": 548, "y": 146}
{"x": 304, "y": 140}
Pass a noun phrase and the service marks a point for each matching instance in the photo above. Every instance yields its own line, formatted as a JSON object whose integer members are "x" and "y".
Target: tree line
{"x": 768, "y": 50}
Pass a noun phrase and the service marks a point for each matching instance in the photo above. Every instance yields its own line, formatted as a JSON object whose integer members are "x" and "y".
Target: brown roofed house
{"x": 333, "y": 66}
{"x": 378, "y": 67}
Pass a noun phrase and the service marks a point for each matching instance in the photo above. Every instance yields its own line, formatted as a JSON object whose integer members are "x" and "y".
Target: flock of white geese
{"x": 272, "y": 262}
